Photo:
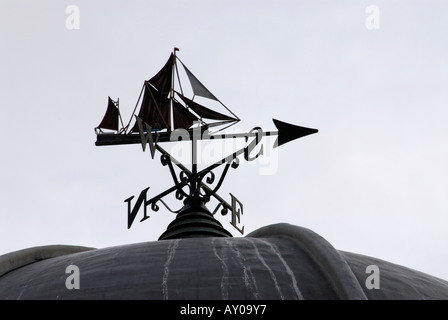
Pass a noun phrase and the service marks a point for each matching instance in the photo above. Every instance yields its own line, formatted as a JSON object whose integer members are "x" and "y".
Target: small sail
{"x": 198, "y": 88}
{"x": 110, "y": 119}
{"x": 205, "y": 112}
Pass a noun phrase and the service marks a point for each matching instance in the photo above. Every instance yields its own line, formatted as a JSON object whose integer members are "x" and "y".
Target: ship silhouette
{"x": 165, "y": 108}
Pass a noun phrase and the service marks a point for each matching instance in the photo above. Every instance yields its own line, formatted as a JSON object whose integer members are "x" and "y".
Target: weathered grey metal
{"x": 335, "y": 268}
{"x": 397, "y": 282}
{"x": 17, "y": 259}
{"x": 275, "y": 262}
{"x": 194, "y": 268}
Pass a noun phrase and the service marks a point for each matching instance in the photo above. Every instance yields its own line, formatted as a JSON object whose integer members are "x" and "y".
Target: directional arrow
{"x": 288, "y": 132}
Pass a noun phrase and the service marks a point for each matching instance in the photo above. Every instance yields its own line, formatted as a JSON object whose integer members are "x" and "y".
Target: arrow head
{"x": 288, "y": 132}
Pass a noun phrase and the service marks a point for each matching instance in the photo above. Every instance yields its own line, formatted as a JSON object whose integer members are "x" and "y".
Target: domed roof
{"x": 275, "y": 262}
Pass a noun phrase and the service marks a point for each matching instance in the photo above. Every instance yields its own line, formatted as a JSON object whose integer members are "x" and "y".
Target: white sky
{"x": 373, "y": 181}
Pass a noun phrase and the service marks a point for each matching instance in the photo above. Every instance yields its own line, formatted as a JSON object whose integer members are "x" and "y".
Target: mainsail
{"x": 163, "y": 79}
{"x": 154, "y": 109}
{"x": 162, "y": 107}
{"x": 204, "y": 112}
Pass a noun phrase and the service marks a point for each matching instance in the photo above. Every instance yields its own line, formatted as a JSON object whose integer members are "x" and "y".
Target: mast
{"x": 119, "y": 115}
{"x": 171, "y": 116}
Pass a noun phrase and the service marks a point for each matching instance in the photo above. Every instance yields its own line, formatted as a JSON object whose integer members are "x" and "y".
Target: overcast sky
{"x": 373, "y": 181}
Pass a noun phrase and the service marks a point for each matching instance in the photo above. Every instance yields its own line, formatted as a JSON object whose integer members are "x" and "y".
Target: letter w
{"x": 132, "y": 213}
{"x": 148, "y": 137}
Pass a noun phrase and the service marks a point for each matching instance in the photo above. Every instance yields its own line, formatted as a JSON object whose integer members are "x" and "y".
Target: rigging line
{"x": 135, "y": 108}
{"x": 179, "y": 60}
{"x": 237, "y": 120}
{"x": 200, "y": 118}
{"x": 191, "y": 110}
{"x": 178, "y": 78}
{"x": 228, "y": 109}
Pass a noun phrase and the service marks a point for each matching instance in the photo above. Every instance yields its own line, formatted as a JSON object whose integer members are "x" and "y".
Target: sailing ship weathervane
{"x": 166, "y": 114}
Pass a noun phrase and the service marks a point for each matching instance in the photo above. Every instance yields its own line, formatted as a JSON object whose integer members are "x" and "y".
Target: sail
{"x": 160, "y": 109}
{"x": 154, "y": 109}
{"x": 162, "y": 80}
{"x": 182, "y": 118}
{"x": 198, "y": 88}
{"x": 205, "y": 112}
{"x": 110, "y": 119}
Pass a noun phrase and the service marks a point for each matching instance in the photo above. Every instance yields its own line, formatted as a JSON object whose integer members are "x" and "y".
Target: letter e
{"x": 237, "y": 211}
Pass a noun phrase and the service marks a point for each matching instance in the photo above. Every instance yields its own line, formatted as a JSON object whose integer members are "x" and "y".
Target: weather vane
{"x": 167, "y": 115}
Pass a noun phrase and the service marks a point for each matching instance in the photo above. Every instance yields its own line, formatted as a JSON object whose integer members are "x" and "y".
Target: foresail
{"x": 205, "y": 112}
{"x": 110, "y": 119}
{"x": 198, "y": 88}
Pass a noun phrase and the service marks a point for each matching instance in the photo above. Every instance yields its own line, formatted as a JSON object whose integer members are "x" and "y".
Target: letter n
{"x": 373, "y": 281}
{"x": 132, "y": 213}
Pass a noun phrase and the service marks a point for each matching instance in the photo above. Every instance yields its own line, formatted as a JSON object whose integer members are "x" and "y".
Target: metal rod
{"x": 171, "y": 114}
{"x": 188, "y": 172}
{"x": 178, "y": 78}
{"x": 135, "y": 108}
{"x": 115, "y": 139}
{"x": 119, "y": 114}
{"x": 243, "y": 135}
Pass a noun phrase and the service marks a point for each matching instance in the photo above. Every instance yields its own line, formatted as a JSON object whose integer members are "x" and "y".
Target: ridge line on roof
{"x": 331, "y": 262}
